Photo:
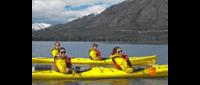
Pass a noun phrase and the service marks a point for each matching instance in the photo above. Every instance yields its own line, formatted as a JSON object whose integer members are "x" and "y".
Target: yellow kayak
{"x": 136, "y": 60}
{"x": 100, "y": 73}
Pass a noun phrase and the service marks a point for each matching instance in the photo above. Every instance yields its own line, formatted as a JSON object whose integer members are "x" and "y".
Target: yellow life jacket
{"x": 93, "y": 55}
{"x": 61, "y": 65}
{"x": 122, "y": 63}
{"x": 54, "y": 52}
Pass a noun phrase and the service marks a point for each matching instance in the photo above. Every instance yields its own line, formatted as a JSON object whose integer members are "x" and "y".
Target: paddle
{"x": 78, "y": 70}
{"x": 151, "y": 70}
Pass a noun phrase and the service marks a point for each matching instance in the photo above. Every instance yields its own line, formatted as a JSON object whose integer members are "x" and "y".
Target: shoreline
{"x": 110, "y": 42}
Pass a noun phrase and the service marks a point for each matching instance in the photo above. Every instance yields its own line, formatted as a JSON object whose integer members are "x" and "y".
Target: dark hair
{"x": 115, "y": 50}
{"x": 57, "y": 42}
{"x": 94, "y": 44}
{"x": 62, "y": 48}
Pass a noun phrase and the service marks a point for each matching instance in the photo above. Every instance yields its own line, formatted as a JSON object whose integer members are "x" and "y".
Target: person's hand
{"x": 67, "y": 69}
{"x": 129, "y": 70}
{"x": 53, "y": 64}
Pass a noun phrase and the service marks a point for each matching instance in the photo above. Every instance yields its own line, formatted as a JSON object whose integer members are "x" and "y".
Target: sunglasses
{"x": 62, "y": 52}
{"x": 119, "y": 51}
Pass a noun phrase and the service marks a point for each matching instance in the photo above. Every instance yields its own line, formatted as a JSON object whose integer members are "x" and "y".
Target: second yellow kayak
{"x": 136, "y": 60}
{"x": 101, "y": 73}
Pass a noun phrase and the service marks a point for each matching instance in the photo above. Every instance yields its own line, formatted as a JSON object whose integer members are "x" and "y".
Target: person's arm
{"x": 99, "y": 53}
{"x": 54, "y": 59}
{"x": 54, "y": 52}
{"x": 55, "y": 63}
{"x": 128, "y": 61}
{"x": 110, "y": 57}
{"x": 115, "y": 64}
{"x": 68, "y": 62}
{"x": 92, "y": 54}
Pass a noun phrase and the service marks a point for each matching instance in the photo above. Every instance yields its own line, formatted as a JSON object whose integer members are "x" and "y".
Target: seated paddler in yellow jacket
{"x": 94, "y": 53}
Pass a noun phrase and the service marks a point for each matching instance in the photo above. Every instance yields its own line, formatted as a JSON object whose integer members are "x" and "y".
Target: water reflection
{"x": 137, "y": 81}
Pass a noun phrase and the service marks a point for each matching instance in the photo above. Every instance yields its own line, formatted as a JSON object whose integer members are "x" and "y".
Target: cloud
{"x": 63, "y": 11}
{"x": 92, "y": 2}
{"x": 47, "y": 10}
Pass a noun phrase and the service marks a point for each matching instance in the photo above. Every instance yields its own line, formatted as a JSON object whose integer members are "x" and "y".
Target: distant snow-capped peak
{"x": 39, "y": 26}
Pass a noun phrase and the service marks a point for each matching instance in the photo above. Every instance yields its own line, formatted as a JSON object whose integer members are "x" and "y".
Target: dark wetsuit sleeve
{"x": 128, "y": 61}
{"x": 68, "y": 62}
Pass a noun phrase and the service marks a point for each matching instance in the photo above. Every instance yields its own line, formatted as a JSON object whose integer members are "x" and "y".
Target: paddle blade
{"x": 151, "y": 71}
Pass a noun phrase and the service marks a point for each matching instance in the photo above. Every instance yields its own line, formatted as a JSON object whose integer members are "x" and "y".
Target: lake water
{"x": 80, "y": 49}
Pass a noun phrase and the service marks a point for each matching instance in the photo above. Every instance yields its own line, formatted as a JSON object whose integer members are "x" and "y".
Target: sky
{"x": 63, "y": 11}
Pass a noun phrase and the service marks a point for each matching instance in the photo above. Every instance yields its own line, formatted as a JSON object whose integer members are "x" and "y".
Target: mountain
{"x": 137, "y": 21}
{"x": 39, "y": 26}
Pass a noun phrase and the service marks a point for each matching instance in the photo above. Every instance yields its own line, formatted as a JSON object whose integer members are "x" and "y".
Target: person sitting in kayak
{"x": 62, "y": 61}
{"x": 63, "y": 64}
{"x": 121, "y": 61}
{"x": 94, "y": 53}
{"x": 55, "y": 49}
